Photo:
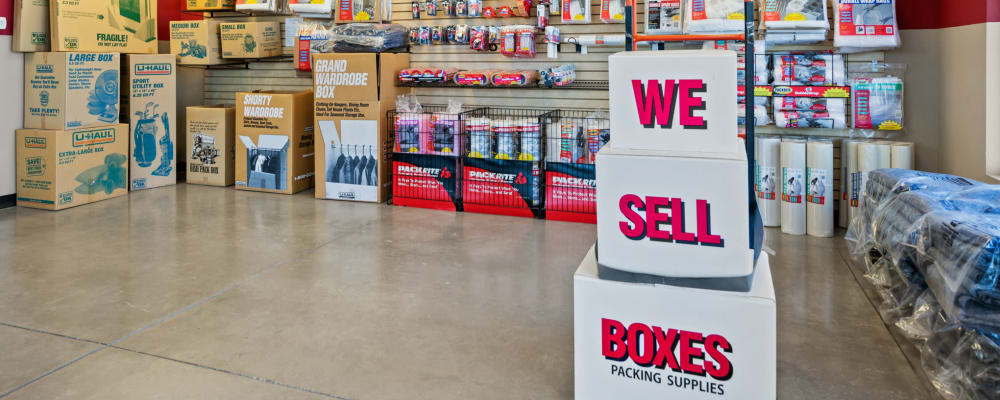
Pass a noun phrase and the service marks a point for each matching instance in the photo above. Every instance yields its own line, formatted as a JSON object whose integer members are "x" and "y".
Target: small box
{"x": 120, "y": 26}
{"x": 31, "y": 25}
{"x": 275, "y": 141}
{"x": 71, "y": 90}
{"x": 211, "y": 136}
{"x": 251, "y": 39}
{"x": 211, "y": 5}
{"x": 696, "y": 343}
{"x": 196, "y": 42}
{"x": 61, "y": 169}
{"x": 152, "y": 95}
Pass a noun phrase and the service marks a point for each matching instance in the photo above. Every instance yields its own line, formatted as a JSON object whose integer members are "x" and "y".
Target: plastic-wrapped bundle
{"x": 809, "y": 69}
{"x": 810, "y": 119}
{"x": 312, "y": 8}
{"x": 833, "y": 106}
{"x": 795, "y": 14}
{"x": 862, "y": 27}
{"x": 761, "y": 117}
{"x": 713, "y": 16}
{"x": 971, "y": 370}
{"x": 369, "y": 38}
{"x": 314, "y": 38}
{"x": 887, "y": 182}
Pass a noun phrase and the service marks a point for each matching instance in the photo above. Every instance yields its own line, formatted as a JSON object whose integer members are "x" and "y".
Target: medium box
{"x": 656, "y": 217}
{"x": 196, "y": 42}
{"x": 353, "y": 93}
{"x": 62, "y": 169}
{"x": 152, "y": 96}
{"x": 211, "y": 136}
{"x": 210, "y": 5}
{"x": 121, "y": 26}
{"x": 31, "y": 25}
{"x": 71, "y": 90}
{"x": 250, "y": 39}
{"x": 696, "y": 343}
{"x": 274, "y": 151}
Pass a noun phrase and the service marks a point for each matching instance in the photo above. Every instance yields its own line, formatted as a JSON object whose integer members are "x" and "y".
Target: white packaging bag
{"x": 795, "y": 14}
{"x": 263, "y": 6}
{"x": 663, "y": 17}
{"x": 714, "y": 16}
{"x": 795, "y": 37}
{"x": 834, "y": 106}
{"x": 575, "y": 11}
{"x": 809, "y": 69}
{"x": 862, "y": 27}
{"x": 312, "y": 8}
{"x": 810, "y": 119}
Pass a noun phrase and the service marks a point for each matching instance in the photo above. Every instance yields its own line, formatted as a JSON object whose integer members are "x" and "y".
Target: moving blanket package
{"x": 211, "y": 5}
{"x": 70, "y": 90}
{"x": 353, "y": 93}
{"x": 251, "y": 39}
{"x": 196, "y": 42}
{"x": 31, "y": 25}
{"x": 152, "y": 113}
{"x": 61, "y": 169}
{"x": 274, "y": 141}
{"x": 211, "y": 140}
{"x": 123, "y": 26}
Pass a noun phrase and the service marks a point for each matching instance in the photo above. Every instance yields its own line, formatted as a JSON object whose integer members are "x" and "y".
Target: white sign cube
{"x": 682, "y": 100}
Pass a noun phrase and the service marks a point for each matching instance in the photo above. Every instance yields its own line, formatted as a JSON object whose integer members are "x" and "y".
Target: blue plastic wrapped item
{"x": 369, "y": 38}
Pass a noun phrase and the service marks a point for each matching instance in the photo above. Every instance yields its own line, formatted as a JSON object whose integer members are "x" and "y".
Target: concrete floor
{"x": 199, "y": 292}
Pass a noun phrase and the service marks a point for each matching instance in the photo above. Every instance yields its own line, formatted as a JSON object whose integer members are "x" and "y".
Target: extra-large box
{"x": 31, "y": 25}
{"x": 196, "y": 42}
{"x": 275, "y": 142}
{"x": 121, "y": 26}
{"x": 62, "y": 169}
{"x": 71, "y": 90}
{"x": 645, "y": 341}
{"x": 211, "y": 136}
{"x": 353, "y": 93}
{"x": 250, "y": 39}
{"x": 211, "y": 5}
{"x": 152, "y": 95}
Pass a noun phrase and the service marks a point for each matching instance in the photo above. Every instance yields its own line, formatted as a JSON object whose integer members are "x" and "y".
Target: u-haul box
{"x": 71, "y": 90}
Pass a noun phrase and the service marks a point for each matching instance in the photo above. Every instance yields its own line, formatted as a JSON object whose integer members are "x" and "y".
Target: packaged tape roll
{"x": 768, "y": 179}
{"x": 793, "y": 186}
{"x": 819, "y": 178}
{"x": 853, "y": 194}
{"x": 902, "y": 155}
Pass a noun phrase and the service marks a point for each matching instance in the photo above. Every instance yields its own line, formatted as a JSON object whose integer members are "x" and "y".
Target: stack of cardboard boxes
{"x": 79, "y": 119}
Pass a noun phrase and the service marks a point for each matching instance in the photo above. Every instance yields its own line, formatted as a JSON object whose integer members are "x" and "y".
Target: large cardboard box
{"x": 62, "y": 169}
{"x": 696, "y": 343}
{"x": 353, "y": 93}
{"x": 211, "y": 136}
{"x": 31, "y": 25}
{"x": 250, "y": 39}
{"x": 152, "y": 95}
{"x": 274, "y": 150}
{"x": 211, "y": 5}
{"x": 196, "y": 42}
{"x": 121, "y": 26}
{"x": 71, "y": 90}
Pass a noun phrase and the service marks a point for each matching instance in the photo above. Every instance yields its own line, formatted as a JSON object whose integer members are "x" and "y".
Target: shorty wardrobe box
{"x": 275, "y": 138}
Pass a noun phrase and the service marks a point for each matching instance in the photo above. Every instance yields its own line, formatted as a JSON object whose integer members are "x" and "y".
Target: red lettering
{"x": 641, "y": 355}
{"x": 703, "y": 226}
{"x": 689, "y": 103}
{"x": 634, "y": 228}
{"x": 613, "y": 339}
{"x": 724, "y": 370}
{"x": 665, "y": 345}
{"x": 654, "y": 218}
{"x": 651, "y": 99}
{"x": 690, "y": 353}
{"x": 677, "y": 222}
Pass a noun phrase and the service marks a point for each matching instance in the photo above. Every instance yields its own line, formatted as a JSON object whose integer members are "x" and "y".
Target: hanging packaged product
{"x": 473, "y": 78}
{"x": 471, "y": 8}
{"x": 438, "y": 35}
{"x": 505, "y": 12}
{"x": 562, "y": 75}
{"x": 575, "y": 11}
{"x": 525, "y": 41}
{"x": 431, "y": 8}
{"x": 795, "y": 36}
{"x": 862, "y": 26}
{"x": 276, "y": 7}
{"x": 31, "y": 26}
{"x": 795, "y": 14}
{"x": 877, "y": 95}
{"x": 508, "y": 41}
{"x": 196, "y": 42}
{"x": 71, "y": 90}
{"x": 833, "y": 106}
{"x": 529, "y": 133}
{"x": 412, "y": 126}
{"x": 503, "y": 131}
{"x": 552, "y": 41}
{"x": 250, "y": 39}
{"x": 152, "y": 110}
{"x": 515, "y": 78}
{"x": 461, "y": 34}
{"x": 489, "y": 12}
{"x": 103, "y": 26}
{"x": 522, "y": 8}
{"x": 612, "y": 11}
{"x": 809, "y": 69}
{"x": 714, "y": 16}
{"x": 480, "y": 137}
{"x": 415, "y": 9}
{"x": 314, "y": 8}
{"x": 543, "y": 16}
{"x": 479, "y": 38}
{"x": 446, "y": 130}
{"x": 211, "y": 5}
{"x": 314, "y": 38}
{"x": 810, "y": 119}
{"x": 664, "y": 17}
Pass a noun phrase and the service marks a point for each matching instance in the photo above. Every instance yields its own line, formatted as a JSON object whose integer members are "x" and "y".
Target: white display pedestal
{"x": 724, "y": 343}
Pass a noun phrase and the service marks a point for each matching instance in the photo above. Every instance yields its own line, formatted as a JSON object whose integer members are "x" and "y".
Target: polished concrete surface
{"x": 201, "y": 292}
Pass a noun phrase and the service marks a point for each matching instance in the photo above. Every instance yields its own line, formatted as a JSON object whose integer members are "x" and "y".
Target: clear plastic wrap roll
{"x": 768, "y": 179}
{"x": 850, "y": 151}
{"x": 793, "y": 193}
{"x": 902, "y": 155}
{"x": 820, "y": 198}
{"x": 844, "y": 178}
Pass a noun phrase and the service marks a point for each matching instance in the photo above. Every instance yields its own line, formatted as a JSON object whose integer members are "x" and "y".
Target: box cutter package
{"x": 31, "y": 25}
{"x": 864, "y": 25}
{"x": 152, "y": 94}
{"x": 809, "y": 69}
{"x": 575, "y": 11}
{"x": 795, "y": 14}
{"x": 250, "y": 39}
{"x": 714, "y": 16}
{"x": 274, "y": 146}
{"x": 312, "y": 8}
{"x": 211, "y": 140}
{"x": 59, "y": 169}
{"x": 70, "y": 90}
{"x": 123, "y": 26}
{"x": 210, "y": 5}
{"x": 196, "y": 42}
{"x": 664, "y": 16}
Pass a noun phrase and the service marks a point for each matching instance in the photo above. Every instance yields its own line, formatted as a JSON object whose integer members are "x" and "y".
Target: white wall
{"x": 11, "y": 111}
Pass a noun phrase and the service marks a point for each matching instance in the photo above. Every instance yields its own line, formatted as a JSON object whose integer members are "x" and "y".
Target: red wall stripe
{"x": 171, "y": 10}
{"x": 938, "y": 14}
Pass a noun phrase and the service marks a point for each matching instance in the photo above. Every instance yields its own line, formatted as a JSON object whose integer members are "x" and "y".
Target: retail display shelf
{"x": 579, "y": 85}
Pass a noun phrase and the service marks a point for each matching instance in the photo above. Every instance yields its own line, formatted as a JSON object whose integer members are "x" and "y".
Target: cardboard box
{"x": 152, "y": 93}
{"x": 251, "y": 39}
{"x": 211, "y": 136}
{"x": 71, "y": 90}
{"x": 274, "y": 150}
{"x": 62, "y": 169}
{"x": 210, "y": 5}
{"x": 31, "y": 25}
{"x": 688, "y": 107}
{"x": 697, "y": 343}
{"x": 656, "y": 217}
{"x": 121, "y": 26}
{"x": 353, "y": 93}
{"x": 196, "y": 42}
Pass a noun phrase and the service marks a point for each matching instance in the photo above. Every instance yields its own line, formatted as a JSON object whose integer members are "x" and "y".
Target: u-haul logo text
{"x": 658, "y": 103}
{"x": 90, "y": 138}
{"x": 35, "y": 142}
{"x": 646, "y": 217}
{"x": 154, "y": 69}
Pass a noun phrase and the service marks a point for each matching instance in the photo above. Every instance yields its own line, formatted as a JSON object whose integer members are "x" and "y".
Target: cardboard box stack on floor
{"x": 274, "y": 146}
